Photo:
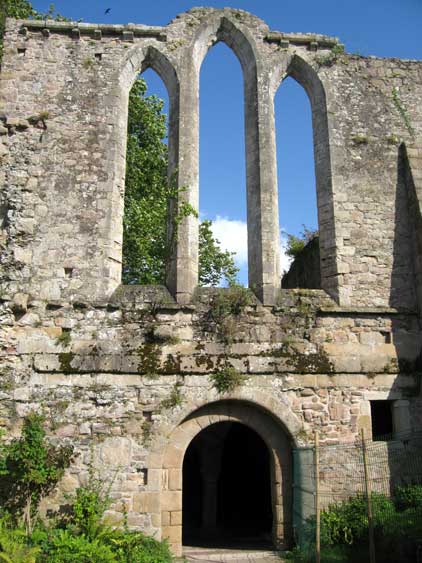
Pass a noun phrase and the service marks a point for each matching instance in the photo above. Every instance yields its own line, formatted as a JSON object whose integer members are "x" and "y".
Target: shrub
{"x": 347, "y": 523}
{"x": 30, "y": 468}
{"x": 344, "y": 530}
{"x": 409, "y": 496}
{"x": 79, "y": 536}
{"x": 344, "y": 523}
{"x": 336, "y": 554}
{"x": 230, "y": 301}
{"x": 227, "y": 379}
{"x": 135, "y": 547}
{"x": 88, "y": 506}
{"x": 296, "y": 245}
{"x": 13, "y": 548}
{"x": 65, "y": 547}
{"x": 110, "y": 546}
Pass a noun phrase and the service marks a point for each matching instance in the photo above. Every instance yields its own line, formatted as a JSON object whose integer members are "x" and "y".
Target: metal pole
{"x": 372, "y": 558}
{"x": 317, "y": 512}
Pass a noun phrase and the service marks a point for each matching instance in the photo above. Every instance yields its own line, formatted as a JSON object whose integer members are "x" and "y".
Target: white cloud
{"x": 285, "y": 260}
{"x": 233, "y": 236}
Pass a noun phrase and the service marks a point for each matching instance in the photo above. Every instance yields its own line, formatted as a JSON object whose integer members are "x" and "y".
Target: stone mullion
{"x": 182, "y": 276}
{"x": 263, "y": 225}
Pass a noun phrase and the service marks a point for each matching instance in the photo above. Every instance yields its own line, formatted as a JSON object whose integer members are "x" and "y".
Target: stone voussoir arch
{"x": 262, "y": 204}
{"x": 139, "y": 58}
{"x": 271, "y": 420}
{"x": 306, "y": 75}
{"x": 135, "y": 61}
{"x": 223, "y": 27}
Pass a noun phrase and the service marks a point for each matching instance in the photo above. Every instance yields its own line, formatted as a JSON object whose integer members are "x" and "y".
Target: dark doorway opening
{"x": 227, "y": 488}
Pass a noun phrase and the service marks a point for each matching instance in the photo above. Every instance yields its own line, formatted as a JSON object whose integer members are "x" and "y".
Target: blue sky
{"x": 384, "y": 28}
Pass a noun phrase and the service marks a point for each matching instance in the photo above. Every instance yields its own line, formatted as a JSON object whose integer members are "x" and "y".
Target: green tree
{"x": 296, "y": 245}
{"x": 214, "y": 263}
{"x": 20, "y": 9}
{"x": 146, "y": 190}
{"x": 30, "y": 468}
{"x": 147, "y": 195}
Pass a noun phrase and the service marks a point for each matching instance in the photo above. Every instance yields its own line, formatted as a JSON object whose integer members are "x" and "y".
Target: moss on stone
{"x": 7, "y": 382}
{"x": 146, "y": 430}
{"x": 65, "y": 361}
{"x": 315, "y": 362}
{"x": 204, "y": 360}
{"x": 175, "y": 399}
{"x": 154, "y": 337}
{"x": 149, "y": 355}
{"x": 172, "y": 363}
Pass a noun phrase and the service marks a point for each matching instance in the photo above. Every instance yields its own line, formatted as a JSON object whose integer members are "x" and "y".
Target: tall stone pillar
{"x": 261, "y": 180}
{"x": 182, "y": 272}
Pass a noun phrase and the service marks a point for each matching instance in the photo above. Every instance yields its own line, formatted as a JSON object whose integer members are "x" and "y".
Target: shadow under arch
{"x": 274, "y": 434}
{"x": 226, "y": 492}
{"x": 306, "y": 76}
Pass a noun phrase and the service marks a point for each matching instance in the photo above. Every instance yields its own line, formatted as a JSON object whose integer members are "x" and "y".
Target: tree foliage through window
{"x": 146, "y": 246}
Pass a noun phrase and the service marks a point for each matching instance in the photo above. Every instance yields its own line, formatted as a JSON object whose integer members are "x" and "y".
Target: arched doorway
{"x": 275, "y": 430}
{"x": 227, "y": 488}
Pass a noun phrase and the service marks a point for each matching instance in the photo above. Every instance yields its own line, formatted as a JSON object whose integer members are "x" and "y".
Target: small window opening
{"x": 382, "y": 420}
{"x": 98, "y": 56}
{"x": 68, "y": 272}
{"x": 18, "y": 313}
{"x": 144, "y": 473}
{"x": 387, "y": 336}
{"x": 147, "y": 415}
{"x": 21, "y": 51}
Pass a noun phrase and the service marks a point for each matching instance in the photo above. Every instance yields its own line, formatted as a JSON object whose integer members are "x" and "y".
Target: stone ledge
{"x": 383, "y": 311}
{"x": 91, "y": 28}
{"x": 324, "y": 41}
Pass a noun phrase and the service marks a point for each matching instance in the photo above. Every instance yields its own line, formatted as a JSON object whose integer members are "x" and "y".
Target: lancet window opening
{"x": 222, "y": 192}
{"x": 297, "y": 194}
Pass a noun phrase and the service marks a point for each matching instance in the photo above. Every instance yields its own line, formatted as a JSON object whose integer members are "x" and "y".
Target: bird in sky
{"x": 107, "y": 11}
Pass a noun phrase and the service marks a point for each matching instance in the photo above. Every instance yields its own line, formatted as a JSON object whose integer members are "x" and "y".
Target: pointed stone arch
{"x": 262, "y": 210}
{"x": 307, "y": 77}
{"x": 135, "y": 62}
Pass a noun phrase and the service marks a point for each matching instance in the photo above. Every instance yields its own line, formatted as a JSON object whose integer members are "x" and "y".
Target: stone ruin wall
{"x": 313, "y": 359}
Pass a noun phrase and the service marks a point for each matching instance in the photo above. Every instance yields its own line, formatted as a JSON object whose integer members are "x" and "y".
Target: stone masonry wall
{"x": 117, "y": 370}
{"x": 63, "y": 100}
{"x": 304, "y": 271}
{"x": 128, "y": 370}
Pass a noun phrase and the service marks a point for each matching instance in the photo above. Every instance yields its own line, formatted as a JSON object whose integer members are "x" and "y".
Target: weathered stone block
{"x": 146, "y": 502}
{"x": 116, "y": 452}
